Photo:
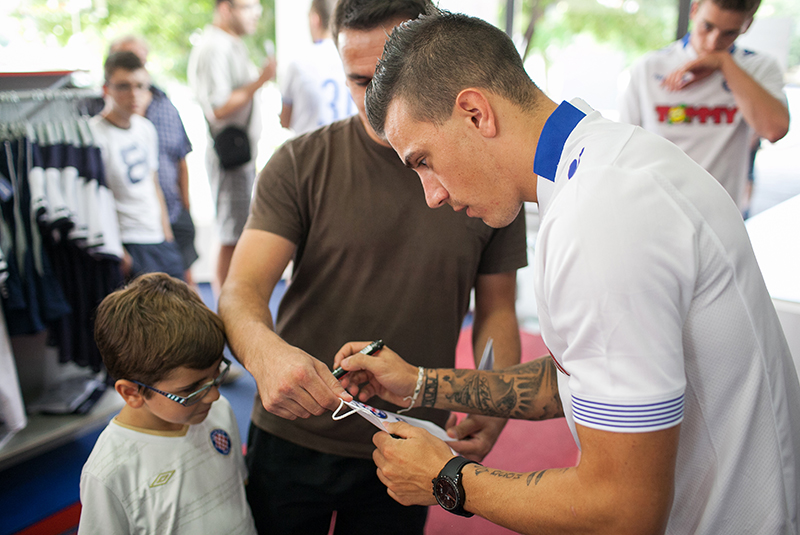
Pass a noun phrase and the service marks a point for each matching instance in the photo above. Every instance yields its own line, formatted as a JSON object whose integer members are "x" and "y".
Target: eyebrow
{"x": 359, "y": 77}
{"x": 409, "y": 158}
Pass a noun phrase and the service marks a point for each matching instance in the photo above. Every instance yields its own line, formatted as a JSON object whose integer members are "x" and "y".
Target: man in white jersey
{"x": 225, "y": 82}
{"x": 709, "y": 96}
{"x": 667, "y": 356}
{"x": 129, "y": 146}
{"x": 313, "y": 89}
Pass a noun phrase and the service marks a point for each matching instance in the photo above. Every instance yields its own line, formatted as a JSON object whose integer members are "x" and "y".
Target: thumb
{"x": 466, "y": 428}
{"x": 333, "y": 383}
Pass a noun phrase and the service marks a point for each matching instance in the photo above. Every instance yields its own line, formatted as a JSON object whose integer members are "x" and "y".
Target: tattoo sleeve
{"x": 528, "y": 391}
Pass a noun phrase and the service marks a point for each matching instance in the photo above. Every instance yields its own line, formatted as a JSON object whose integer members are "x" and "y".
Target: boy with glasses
{"x": 129, "y": 146}
{"x": 171, "y": 460}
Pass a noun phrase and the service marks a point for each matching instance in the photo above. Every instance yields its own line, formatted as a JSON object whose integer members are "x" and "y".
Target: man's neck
{"x": 117, "y": 119}
{"x": 224, "y": 26}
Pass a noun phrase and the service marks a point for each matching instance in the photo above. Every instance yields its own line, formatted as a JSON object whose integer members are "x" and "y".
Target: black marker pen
{"x": 371, "y": 349}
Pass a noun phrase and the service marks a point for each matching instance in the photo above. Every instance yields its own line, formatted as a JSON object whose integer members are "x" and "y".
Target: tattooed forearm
{"x": 497, "y": 473}
{"x": 526, "y": 391}
{"x": 431, "y": 387}
{"x": 535, "y": 477}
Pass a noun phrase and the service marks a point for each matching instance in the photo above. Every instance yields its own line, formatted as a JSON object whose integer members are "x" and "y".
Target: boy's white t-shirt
{"x": 186, "y": 482}
{"x": 703, "y": 119}
{"x": 130, "y": 158}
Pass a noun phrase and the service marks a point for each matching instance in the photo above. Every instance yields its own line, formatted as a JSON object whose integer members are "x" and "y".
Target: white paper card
{"x": 378, "y": 417}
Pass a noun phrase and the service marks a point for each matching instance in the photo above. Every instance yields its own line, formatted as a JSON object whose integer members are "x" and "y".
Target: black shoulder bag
{"x": 232, "y": 145}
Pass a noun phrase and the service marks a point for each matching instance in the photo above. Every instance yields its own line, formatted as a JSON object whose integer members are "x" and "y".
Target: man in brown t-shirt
{"x": 370, "y": 261}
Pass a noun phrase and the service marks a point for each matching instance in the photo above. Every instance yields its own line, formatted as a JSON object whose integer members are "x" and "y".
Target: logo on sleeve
{"x": 221, "y": 441}
{"x": 573, "y": 167}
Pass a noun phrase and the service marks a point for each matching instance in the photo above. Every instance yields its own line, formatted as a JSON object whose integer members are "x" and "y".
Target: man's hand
{"x": 268, "y": 70}
{"x": 408, "y": 465}
{"x": 695, "y": 71}
{"x": 294, "y": 384}
{"x": 383, "y": 374}
{"x": 476, "y": 434}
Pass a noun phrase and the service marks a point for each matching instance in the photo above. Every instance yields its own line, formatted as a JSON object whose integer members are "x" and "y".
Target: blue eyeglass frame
{"x": 199, "y": 394}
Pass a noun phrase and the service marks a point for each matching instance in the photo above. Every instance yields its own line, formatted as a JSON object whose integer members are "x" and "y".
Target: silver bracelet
{"x": 417, "y": 388}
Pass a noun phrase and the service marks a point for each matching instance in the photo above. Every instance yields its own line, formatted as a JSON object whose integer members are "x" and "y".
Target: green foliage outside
{"x": 652, "y": 25}
{"x": 167, "y": 25}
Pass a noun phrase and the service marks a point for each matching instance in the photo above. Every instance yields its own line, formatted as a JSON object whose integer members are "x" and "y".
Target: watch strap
{"x": 452, "y": 471}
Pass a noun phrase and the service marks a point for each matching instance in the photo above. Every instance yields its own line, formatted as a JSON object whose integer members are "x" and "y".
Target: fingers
{"x": 350, "y": 348}
{"x": 466, "y": 428}
{"x": 306, "y": 389}
{"x": 452, "y": 421}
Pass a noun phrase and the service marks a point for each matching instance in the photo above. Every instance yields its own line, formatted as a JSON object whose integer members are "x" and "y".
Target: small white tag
{"x": 379, "y": 417}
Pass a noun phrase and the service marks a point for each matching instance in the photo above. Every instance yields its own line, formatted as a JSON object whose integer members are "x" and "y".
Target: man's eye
{"x": 363, "y": 83}
{"x": 423, "y": 163}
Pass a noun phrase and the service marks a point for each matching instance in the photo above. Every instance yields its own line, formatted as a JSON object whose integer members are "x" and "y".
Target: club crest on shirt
{"x": 221, "y": 441}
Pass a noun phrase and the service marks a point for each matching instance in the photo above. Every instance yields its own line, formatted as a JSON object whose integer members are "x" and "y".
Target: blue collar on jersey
{"x": 556, "y": 130}
{"x": 685, "y": 42}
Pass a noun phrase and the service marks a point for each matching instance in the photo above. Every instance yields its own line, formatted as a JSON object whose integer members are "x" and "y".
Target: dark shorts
{"x": 183, "y": 230}
{"x": 155, "y": 257}
{"x": 295, "y": 490}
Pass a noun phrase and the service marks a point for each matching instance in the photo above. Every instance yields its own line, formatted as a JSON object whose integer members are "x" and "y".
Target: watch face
{"x": 446, "y": 493}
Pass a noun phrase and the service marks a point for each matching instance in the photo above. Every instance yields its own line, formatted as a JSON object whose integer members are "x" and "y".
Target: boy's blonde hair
{"x": 153, "y": 325}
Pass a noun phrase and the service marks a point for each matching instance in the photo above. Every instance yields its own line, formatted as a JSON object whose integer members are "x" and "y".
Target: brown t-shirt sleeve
{"x": 507, "y": 249}
{"x": 276, "y": 205}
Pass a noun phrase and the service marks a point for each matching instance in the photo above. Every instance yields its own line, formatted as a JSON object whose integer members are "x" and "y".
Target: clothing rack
{"x": 52, "y": 122}
{"x": 49, "y": 94}
{"x": 25, "y": 105}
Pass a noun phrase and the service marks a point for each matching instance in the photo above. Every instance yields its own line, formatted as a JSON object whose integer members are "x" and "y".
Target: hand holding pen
{"x": 371, "y": 349}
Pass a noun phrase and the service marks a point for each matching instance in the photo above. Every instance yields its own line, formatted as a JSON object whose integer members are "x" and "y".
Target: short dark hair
{"x": 365, "y": 15}
{"x": 153, "y": 325}
{"x": 121, "y": 60}
{"x": 429, "y": 61}
{"x": 742, "y": 6}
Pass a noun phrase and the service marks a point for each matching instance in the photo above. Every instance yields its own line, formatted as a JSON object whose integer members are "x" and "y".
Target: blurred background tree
{"x": 634, "y": 27}
{"x": 168, "y": 26}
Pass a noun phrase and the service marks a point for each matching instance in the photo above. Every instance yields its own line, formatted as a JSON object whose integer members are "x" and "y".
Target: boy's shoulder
{"x": 121, "y": 447}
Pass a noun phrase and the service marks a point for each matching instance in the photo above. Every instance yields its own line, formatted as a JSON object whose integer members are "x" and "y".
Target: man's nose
{"x": 435, "y": 194}
{"x": 714, "y": 40}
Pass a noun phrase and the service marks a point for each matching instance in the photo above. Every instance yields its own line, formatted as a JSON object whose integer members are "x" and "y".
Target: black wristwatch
{"x": 447, "y": 487}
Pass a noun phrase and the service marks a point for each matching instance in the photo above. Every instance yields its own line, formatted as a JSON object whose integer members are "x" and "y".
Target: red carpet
{"x": 522, "y": 447}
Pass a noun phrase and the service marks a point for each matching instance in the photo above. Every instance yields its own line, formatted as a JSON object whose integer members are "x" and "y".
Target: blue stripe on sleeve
{"x": 651, "y": 416}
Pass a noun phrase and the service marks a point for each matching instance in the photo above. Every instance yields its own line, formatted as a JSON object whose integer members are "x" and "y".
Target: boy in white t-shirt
{"x": 129, "y": 145}
{"x": 171, "y": 460}
{"x": 710, "y": 96}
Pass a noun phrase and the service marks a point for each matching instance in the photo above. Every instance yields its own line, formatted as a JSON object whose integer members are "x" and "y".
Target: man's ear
{"x": 693, "y": 9}
{"x": 473, "y": 106}
{"x": 746, "y": 25}
{"x": 129, "y": 392}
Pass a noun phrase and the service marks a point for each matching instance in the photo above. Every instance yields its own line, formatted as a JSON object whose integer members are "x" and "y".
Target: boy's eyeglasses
{"x": 197, "y": 395}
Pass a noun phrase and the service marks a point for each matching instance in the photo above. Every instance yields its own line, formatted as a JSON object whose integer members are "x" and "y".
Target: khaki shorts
{"x": 231, "y": 190}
